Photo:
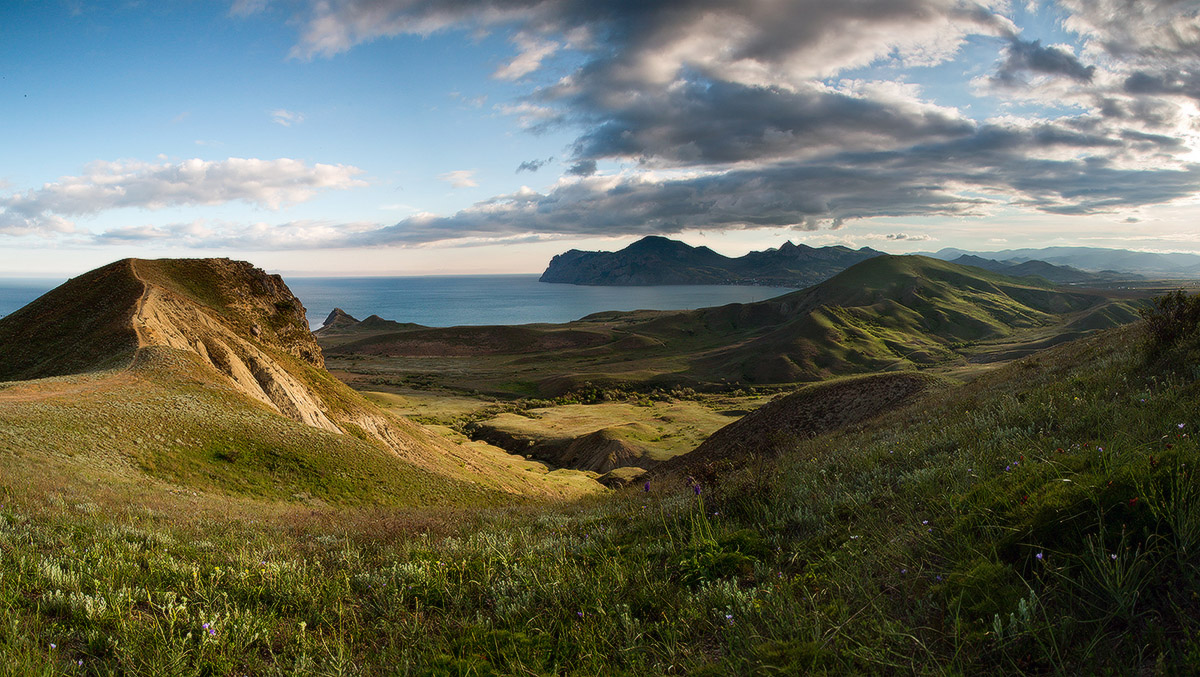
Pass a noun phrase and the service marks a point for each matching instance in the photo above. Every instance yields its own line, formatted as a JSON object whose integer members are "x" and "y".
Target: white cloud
{"x": 130, "y": 184}
{"x": 286, "y": 118}
{"x": 533, "y": 51}
{"x": 460, "y": 178}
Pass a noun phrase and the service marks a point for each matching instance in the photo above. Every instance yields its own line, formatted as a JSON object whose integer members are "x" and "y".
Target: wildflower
{"x": 696, "y": 488}
{"x": 924, "y": 521}
{"x": 1133, "y": 501}
{"x": 729, "y": 617}
{"x": 646, "y": 487}
{"x": 1007, "y": 468}
{"x": 53, "y": 645}
{"x": 579, "y": 613}
{"x": 1179, "y": 425}
{"x": 1113, "y": 557}
{"x": 1039, "y": 556}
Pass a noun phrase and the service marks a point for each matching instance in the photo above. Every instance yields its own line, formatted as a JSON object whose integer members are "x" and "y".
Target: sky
{"x": 411, "y": 137}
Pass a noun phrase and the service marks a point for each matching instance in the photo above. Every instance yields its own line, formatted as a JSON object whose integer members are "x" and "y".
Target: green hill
{"x": 885, "y": 313}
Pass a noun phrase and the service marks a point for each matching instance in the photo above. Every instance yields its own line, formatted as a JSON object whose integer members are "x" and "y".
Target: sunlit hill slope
{"x": 202, "y": 375}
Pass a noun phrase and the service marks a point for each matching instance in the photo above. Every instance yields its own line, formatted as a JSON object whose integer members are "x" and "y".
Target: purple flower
{"x": 1039, "y": 556}
{"x": 53, "y": 645}
{"x": 696, "y": 488}
{"x": 646, "y": 487}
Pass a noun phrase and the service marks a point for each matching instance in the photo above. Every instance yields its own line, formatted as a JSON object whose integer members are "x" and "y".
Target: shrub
{"x": 1171, "y": 319}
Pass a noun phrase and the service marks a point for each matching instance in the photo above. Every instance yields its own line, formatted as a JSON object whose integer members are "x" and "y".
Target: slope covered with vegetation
{"x": 888, "y": 312}
{"x": 1040, "y": 518}
{"x": 201, "y": 376}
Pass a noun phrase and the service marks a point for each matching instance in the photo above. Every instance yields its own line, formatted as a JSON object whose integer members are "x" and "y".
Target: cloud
{"x": 583, "y": 168}
{"x": 757, "y": 41}
{"x": 533, "y": 51}
{"x": 763, "y": 113}
{"x": 1023, "y": 56}
{"x": 114, "y": 185}
{"x": 1144, "y": 30}
{"x": 286, "y": 117}
{"x": 718, "y": 122}
{"x": 907, "y": 236}
{"x": 460, "y": 178}
{"x": 533, "y": 165}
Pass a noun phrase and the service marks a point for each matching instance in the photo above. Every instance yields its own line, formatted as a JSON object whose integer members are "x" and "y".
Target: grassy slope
{"x": 889, "y": 312}
{"x": 168, "y": 422}
{"x": 1041, "y": 518}
{"x": 82, "y": 325}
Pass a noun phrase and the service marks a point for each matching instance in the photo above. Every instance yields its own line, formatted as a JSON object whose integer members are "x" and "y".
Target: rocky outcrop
{"x": 600, "y": 451}
{"x": 338, "y": 319}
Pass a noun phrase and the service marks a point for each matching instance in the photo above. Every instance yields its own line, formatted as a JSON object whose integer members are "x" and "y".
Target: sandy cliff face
{"x": 166, "y": 319}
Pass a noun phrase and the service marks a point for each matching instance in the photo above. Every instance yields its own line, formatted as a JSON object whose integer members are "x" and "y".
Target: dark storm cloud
{"x": 722, "y": 122}
{"x": 1024, "y": 57}
{"x": 995, "y": 165}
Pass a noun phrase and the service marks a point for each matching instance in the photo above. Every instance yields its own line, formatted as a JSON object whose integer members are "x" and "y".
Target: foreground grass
{"x": 1041, "y": 519}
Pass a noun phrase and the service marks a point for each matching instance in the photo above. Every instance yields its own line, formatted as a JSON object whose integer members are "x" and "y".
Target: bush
{"x": 1171, "y": 319}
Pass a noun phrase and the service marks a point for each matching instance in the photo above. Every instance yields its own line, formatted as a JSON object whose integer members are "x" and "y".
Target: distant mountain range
{"x": 658, "y": 260}
{"x": 1092, "y": 259}
{"x": 1046, "y": 271}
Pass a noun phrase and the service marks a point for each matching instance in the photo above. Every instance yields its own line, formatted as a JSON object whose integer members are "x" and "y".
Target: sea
{"x": 448, "y": 301}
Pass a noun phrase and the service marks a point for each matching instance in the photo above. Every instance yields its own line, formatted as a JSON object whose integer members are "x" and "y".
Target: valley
{"x": 911, "y": 450}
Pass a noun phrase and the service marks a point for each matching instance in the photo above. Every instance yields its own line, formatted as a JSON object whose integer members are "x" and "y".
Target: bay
{"x": 447, "y": 301}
